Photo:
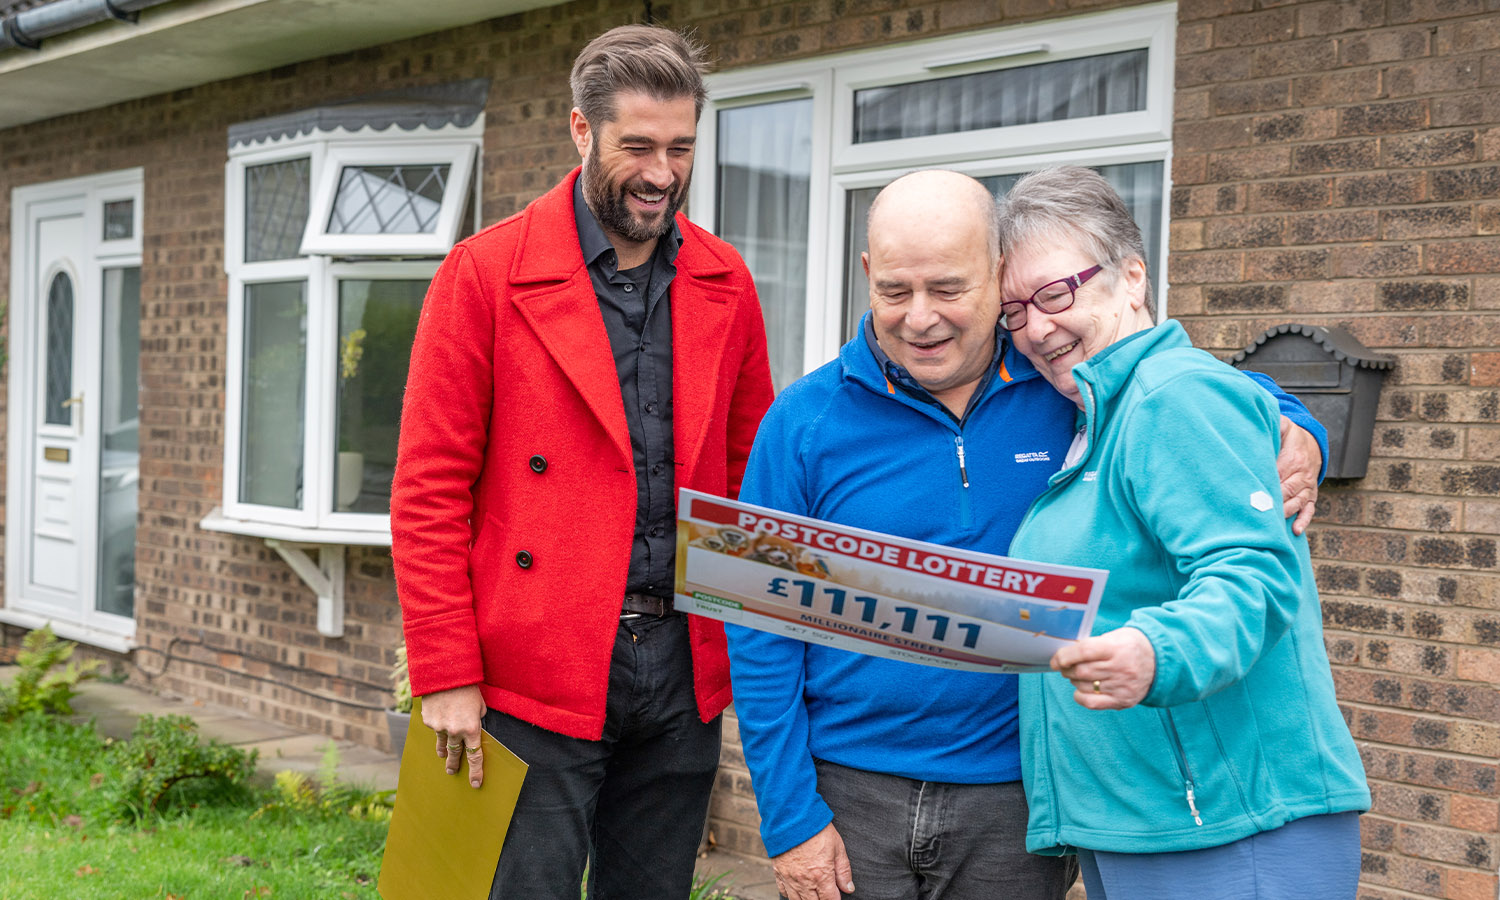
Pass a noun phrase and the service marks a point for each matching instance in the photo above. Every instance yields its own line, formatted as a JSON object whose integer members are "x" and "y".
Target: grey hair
{"x": 1076, "y": 204}
{"x": 658, "y": 62}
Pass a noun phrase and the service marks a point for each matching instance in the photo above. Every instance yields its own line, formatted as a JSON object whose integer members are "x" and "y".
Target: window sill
{"x": 294, "y": 534}
{"x": 326, "y": 576}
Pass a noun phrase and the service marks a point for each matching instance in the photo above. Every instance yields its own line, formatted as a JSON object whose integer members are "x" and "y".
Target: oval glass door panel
{"x": 59, "y": 350}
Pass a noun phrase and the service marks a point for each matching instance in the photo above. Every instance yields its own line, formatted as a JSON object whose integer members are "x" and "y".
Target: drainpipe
{"x": 27, "y": 29}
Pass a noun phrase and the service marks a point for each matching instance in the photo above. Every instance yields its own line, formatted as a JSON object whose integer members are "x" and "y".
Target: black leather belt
{"x": 649, "y": 604}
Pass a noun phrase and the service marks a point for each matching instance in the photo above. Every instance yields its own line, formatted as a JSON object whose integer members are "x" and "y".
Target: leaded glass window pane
{"x": 1139, "y": 185}
{"x": 388, "y": 199}
{"x": 59, "y": 350}
{"x": 119, "y": 220}
{"x": 275, "y": 387}
{"x": 377, "y": 322}
{"x": 1024, "y": 95}
{"x": 275, "y": 209}
{"x": 765, "y": 177}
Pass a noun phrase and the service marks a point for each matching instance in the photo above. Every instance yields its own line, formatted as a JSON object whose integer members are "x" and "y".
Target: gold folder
{"x": 445, "y": 837}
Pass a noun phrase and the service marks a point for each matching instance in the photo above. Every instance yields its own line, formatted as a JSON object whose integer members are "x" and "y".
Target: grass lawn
{"x": 68, "y": 829}
{"x": 201, "y": 853}
{"x": 71, "y": 828}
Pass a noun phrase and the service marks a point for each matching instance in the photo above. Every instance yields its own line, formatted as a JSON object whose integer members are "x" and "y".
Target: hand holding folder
{"x": 445, "y": 836}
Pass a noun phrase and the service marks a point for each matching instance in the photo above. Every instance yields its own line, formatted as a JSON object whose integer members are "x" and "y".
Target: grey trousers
{"x": 925, "y": 840}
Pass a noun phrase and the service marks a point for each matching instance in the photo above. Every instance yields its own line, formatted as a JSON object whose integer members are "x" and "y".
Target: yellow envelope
{"x": 445, "y": 836}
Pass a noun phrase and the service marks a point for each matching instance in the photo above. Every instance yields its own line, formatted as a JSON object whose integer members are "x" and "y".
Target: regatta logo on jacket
{"x": 1091, "y": 475}
{"x": 1034, "y": 456}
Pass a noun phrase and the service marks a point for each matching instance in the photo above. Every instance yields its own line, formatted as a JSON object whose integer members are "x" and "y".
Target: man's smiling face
{"x": 934, "y": 295}
{"x": 637, "y": 166}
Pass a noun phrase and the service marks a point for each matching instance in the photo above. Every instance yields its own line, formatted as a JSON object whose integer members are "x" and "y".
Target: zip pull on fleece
{"x": 1192, "y": 806}
{"x": 962, "y": 471}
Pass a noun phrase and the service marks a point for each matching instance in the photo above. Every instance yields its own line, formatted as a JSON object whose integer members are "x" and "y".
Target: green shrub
{"x": 705, "y": 888}
{"x": 164, "y": 752}
{"x": 38, "y": 689}
{"x": 295, "y": 794}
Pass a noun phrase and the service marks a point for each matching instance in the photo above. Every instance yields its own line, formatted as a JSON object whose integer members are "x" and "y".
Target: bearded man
{"x": 574, "y": 365}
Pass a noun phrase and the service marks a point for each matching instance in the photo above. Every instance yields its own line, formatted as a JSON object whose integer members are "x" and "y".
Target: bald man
{"x": 905, "y": 779}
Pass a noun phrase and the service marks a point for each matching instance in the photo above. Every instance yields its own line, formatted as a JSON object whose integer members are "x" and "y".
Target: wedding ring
{"x": 472, "y": 751}
{"x": 1096, "y": 687}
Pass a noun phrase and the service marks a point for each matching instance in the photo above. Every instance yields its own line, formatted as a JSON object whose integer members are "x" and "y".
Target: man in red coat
{"x": 574, "y": 365}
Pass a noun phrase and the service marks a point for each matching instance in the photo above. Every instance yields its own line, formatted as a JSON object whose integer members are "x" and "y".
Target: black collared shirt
{"x": 637, "y": 314}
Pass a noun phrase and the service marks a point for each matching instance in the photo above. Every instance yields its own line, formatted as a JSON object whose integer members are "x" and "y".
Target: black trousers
{"x": 632, "y": 805}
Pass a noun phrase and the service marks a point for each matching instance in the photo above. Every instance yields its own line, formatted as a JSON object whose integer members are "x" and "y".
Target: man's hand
{"x": 1113, "y": 670}
{"x": 1298, "y": 465}
{"x": 816, "y": 869}
{"x": 456, "y": 715}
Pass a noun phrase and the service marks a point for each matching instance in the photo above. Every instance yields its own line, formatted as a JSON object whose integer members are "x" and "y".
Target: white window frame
{"x": 327, "y": 425}
{"x": 460, "y": 161}
{"x": 840, "y": 166}
{"x": 316, "y": 521}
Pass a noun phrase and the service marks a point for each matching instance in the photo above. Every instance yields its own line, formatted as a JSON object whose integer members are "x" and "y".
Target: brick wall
{"x": 222, "y": 618}
{"x": 1334, "y": 162}
{"x": 1339, "y": 164}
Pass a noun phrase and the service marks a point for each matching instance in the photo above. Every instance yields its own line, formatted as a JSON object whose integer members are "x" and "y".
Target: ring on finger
{"x": 472, "y": 751}
{"x": 1096, "y": 687}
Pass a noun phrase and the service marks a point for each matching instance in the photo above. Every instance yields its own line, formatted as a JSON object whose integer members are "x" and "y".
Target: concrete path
{"x": 115, "y": 708}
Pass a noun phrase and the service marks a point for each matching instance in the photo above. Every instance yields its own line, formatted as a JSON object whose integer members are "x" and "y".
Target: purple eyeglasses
{"x": 1052, "y": 297}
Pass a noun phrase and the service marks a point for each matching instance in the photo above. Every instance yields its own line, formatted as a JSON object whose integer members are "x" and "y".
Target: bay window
{"x": 336, "y": 221}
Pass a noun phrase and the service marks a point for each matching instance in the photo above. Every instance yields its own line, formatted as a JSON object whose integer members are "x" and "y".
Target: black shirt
{"x": 637, "y": 315}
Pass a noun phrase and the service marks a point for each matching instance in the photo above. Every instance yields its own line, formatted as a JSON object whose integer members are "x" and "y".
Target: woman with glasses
{"x": 1192, "y": 747}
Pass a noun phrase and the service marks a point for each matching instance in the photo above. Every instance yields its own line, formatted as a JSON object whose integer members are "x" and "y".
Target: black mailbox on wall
{"x": 1334, "y": 375}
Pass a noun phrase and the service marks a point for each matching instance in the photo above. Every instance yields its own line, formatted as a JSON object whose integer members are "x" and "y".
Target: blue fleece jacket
{"x": 847, "y": 445}
{"x": 1177, "y": 496}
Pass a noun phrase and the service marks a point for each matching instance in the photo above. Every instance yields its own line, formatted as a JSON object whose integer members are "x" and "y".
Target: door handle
{"x": 76, "y": 400}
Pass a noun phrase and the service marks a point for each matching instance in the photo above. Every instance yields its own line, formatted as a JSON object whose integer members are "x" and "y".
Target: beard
{"x": 612, "y": 209}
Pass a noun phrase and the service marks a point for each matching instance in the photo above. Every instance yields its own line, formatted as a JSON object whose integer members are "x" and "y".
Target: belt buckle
{"x": 636, "y": 604}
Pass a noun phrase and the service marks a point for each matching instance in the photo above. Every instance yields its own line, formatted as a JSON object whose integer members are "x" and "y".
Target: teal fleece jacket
{"x": 1177, "y": 496}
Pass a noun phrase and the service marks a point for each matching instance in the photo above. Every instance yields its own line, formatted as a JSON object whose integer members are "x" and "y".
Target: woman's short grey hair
{"x": 658, "y": 62}
{"x": 1074, "y": 204}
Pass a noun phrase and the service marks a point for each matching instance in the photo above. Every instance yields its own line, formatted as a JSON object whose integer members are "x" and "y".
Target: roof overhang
{"x": 190, "y": 42}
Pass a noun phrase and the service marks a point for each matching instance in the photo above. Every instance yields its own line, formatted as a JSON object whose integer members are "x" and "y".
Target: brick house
{"x": 221, "y": 216}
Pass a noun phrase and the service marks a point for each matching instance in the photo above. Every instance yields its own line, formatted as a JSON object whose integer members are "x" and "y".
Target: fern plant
{"x": 36, "y": 688}
{"x": 327, "y": 795}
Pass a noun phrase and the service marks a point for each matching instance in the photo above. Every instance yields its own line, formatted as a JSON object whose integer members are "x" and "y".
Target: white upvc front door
{"x": 72, "y": 434}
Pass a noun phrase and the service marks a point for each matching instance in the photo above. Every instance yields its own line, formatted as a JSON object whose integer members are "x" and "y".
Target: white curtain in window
{"x": 1025, "y": 95}
{"x": 764, "y": 176}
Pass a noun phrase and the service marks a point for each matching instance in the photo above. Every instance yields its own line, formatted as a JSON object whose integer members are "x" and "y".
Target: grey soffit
{"x": 427, "y": 106}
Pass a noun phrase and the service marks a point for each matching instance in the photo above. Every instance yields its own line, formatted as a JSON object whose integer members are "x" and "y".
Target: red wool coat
{"x": 513, "y": 508}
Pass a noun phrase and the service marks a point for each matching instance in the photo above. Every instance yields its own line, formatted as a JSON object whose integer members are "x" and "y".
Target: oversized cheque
{"x": 875, "y": 593}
